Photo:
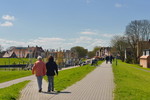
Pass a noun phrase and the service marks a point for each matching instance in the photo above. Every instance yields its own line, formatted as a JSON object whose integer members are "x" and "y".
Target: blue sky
{"x": 67, "y": 23}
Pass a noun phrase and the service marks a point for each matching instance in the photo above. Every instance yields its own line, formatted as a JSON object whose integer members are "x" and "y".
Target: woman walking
{"x": 52, "y": 69}
{"x": 39, "y": 69}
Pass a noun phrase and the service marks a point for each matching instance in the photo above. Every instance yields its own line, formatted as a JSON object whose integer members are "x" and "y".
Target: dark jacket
{"x": 52, "y": 68}
{"x": 107, "y": 58}
{"x": 111, "y": 58}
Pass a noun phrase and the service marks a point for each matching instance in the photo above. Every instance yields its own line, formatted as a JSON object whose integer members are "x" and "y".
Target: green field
{"x": 131, "y": 83}
{"x": 11, "y": 75}
{"x": 11, "y": 61}
{"x": 70, "y": 76}
{"x": 12, "y": 92}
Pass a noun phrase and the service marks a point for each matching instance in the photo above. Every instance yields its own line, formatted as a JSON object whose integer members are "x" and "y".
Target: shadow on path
{"x": 56, "y": 92}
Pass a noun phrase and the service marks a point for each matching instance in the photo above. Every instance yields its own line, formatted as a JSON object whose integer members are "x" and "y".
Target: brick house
{"x": 9, "y": 54}
{"x": 145, "y": 59}
{"x": 141, "y": 46}
{"x": 24, "y": 52}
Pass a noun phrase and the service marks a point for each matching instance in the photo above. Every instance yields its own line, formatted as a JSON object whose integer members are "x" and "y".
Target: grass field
{"x": 11, "y": 75}
{"x": 68, "y": 77}
{"x": 10, "y": 61}
{"x": 12, "y": 92}
{"x": 131, "y": 83}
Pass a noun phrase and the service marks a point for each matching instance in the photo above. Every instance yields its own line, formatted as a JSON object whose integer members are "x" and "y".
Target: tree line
{"x": 136, "y": 31}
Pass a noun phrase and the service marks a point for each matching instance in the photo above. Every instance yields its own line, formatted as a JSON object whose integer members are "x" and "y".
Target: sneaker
{"x": 49, "y": 91}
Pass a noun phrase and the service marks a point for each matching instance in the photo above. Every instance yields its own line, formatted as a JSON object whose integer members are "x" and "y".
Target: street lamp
{"x": 116, "y": 59}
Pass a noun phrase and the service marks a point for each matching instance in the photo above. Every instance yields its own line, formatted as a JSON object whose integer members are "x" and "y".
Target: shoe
{"x": 40, "y": 90}
{"x": 48, "y": 91}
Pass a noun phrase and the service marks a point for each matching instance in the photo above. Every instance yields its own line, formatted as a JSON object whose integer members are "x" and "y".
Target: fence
{"x": 12, "y": 67}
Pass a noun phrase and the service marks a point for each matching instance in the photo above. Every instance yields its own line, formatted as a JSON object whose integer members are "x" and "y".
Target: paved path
{"x": 9, "y": 83}
{"x": 98, "y": 85}
{"x": 32, "y": 77}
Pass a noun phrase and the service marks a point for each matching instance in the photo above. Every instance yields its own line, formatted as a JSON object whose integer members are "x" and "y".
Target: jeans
{"x": 50, "y": 83}
{"x": 39, "y": 80}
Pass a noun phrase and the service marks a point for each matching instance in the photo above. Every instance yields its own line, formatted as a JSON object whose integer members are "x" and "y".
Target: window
{"x": 147, "y": 52}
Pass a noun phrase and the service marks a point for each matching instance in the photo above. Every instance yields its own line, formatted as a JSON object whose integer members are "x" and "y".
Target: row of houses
{"x": 61, "y": 56}
{"x": 24, "y": 52}
{"x": 141, "y": 47}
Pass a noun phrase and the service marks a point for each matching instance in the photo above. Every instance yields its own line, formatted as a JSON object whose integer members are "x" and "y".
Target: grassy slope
{"x": 12, "y": 92}
{"x": 5, "y": 61}
{"x": 10, "y": 75}
{"x": 68, "y": 77}
{"x": 131, "y": 83}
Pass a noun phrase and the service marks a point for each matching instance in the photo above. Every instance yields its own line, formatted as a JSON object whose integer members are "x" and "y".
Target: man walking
{"x": 39, "y": 69}
{"x": 107, "y": 59}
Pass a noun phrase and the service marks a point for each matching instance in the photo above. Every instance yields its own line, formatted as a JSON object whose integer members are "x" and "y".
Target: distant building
{"x": 67, "y": 57}
{"x": 1, "y": 54}
{"x": 142, "y": 45}
{"x": 9, "y": 54}
{"x": 103, "y": 51}
{"x": 145, "y": 59}
{"x": 24, "y": 52}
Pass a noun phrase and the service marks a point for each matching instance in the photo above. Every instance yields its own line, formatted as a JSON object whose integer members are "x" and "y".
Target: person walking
{"x": 52, "y": 69}
{"x": 39, "y": 69}
{"x": 111, "y": 58}
{"x": 107, "y": 59}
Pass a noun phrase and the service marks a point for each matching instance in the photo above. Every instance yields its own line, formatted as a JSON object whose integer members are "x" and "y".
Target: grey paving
{"x": 30, "y": 92}
{"x": 97, "y": 85}
{"x": 9, "y": 83}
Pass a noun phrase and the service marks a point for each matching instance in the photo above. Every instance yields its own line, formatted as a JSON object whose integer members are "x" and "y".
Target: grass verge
{"x": 11, "y": 75}
{"x": 70, "y": 76}
{"x": 131, "y": 83}
{"x": 12, "y": 92}
{"x": 11, "y": 61}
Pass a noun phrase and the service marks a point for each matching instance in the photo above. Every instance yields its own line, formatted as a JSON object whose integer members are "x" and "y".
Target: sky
{"x": 55, "y": 24}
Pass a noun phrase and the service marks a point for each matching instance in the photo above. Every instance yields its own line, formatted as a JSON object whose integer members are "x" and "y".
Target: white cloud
{"x": 82, "y": 39}
{"x": 88, "y": 33}
{"x": 6, "y": 24}
{"x": 107, "y": 35}
{"x": 51, "y": 40}
{"x": 47, "y": 42}
{"x": 8, "y": 17}
{"x": 44, "y": 42}
{"x": 8, "y": 43}
{"x": 56, "y": 43}
{"x": 118, "y": 5}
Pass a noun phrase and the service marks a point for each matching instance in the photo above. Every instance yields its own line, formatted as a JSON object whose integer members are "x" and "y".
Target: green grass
{"x": 10, "y": 61}
{"x": 131, "y": 83}
{"x": 12, "y": 92}
{"x": 11, "y": 75}
{"x": 70, "y": 76}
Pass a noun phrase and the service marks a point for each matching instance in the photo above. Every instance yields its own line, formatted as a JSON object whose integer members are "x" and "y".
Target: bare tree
{"x": 138, "y": 30}
{"x": 1, "y": 48}
{"x": 145, "y": 30}
{"x": 119, "y": 44}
